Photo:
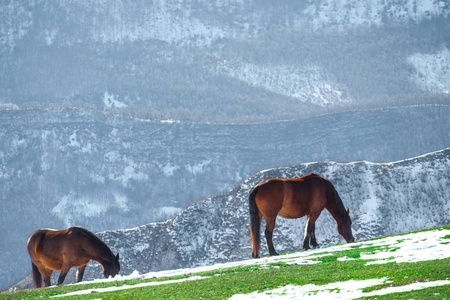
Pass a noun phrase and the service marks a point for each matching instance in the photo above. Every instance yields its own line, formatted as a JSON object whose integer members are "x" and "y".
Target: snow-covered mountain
{"x": 198, "y": 23}
{"x": 323, "y": 61}
{"x": 384, "y": 199}
{"x": 60, "y": 168}
{"x": 223, "y": 60}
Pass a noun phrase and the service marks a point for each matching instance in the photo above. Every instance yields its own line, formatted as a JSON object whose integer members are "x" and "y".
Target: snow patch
{"x": 198, "y": 168}
{"x": 351, "y": 289}
{"x": 71, "y": 208}
{"x": 354, "y": 12}
{"x": 110, "y": 101}
{"x": 307, "y": 84}
{"x": 49, "y": 36}
{"x": 8, "y": 106}
{"x": 126, "y": 287}
{"x": 168, "y": 169}
{"x": 139, "y": 247}
{"x": 169, "y": 210}
{"x": 412, "y": 247}
{"x": 121, "y": 202}
{"x": 432, "y": 71}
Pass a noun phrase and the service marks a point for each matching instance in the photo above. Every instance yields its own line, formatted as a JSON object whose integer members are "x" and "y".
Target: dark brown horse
{"x": 291, "y": 199}
{"x": 63, "y": 249}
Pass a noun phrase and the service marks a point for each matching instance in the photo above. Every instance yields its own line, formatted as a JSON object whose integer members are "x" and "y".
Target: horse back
{"x": 291, "y": 198}
{"x": 53, "y": 248}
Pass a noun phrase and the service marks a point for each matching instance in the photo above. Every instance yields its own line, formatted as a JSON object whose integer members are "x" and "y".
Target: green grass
{"x": 223, "y": 283}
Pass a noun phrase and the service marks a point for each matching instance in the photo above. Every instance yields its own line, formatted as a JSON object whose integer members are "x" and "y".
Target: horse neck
{"x": 104, "y": 258}
{"x": 100, "y": 252}
{"x": 336, "y": 207}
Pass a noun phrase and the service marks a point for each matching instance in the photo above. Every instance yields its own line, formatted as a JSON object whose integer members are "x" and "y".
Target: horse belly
{"x": 291, "y": 212}
{"x": 50, "y": 263}
{"x": 293, "y": 207}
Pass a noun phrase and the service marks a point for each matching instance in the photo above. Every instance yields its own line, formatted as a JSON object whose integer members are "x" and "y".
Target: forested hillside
{"x": 227, "y": 61}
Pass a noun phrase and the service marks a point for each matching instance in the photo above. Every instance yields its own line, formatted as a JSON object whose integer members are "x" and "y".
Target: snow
{"x": 17, "y": 20}
{"x": 180, "y": 23}
{"x": 168, "y": 169}
{"x": 432, "y": 70}
{"x": 166, "y": 212}
{"x": 139, "y": 247}
{"x": 110, "y": 101}
{"x": 70, "y": 205}
{"x": 121, "y": 201}
{"x": 131, "y": 170}
{"x": 305, "y": 83}
{"x": 354, "y": 12}
{"x": 338, "y": 290}
{"x": 412, "y": 247}
{"x": 141, "y": 285}
{"x": 199, "y": 167}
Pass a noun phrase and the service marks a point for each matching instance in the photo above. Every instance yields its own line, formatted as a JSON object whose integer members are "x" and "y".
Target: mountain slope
{"x": 60, "y": 168}
{"x": 414, "y": 263}
{"x": 225, "y": 61}
{"x": 385, "y": 198}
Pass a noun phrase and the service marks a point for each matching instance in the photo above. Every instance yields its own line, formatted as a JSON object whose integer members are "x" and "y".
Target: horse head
{"x": 112, "y": 268}
{"x": 344, "y": 227}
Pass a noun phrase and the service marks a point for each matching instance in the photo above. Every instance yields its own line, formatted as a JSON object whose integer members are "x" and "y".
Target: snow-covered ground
{"x": 413, "y": 247}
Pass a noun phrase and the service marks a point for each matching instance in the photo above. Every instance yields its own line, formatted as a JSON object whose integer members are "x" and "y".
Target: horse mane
{"x": 338, "y": 201}
{"x": 99, "y": 243}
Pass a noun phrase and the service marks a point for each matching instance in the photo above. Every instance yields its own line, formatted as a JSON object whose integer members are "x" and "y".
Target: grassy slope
{"x": 268, "y": 274}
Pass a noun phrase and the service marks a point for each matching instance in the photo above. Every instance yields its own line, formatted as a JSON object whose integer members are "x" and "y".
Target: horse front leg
{"x": 80, "y": 273}
{"x": 312, "y": 237}
{"x": 269, "y": 234}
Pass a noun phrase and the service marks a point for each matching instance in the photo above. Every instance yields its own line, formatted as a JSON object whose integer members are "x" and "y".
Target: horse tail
{"x": 254, "y": 222}
{"x": 32, "y": 244}
{"x": 37, "y": 277}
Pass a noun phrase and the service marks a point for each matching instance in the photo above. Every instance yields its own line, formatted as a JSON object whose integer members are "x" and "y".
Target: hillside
{"x": 227, "y": 61}
{"x": 119, "y": 113}
{"x": 60, "y": 168}
{"x": 385, "y": 199}
{"x": 413, "y": 265}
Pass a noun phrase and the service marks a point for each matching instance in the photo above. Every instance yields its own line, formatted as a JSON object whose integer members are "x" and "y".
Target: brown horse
{"x": 291, "y": 199}
{"x": 63, "y": 249}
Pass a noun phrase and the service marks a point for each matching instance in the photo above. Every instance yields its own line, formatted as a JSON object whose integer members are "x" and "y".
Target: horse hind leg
{"x": 47, "y": 275}
{"x": 310, "y": 233}
{"x": 80, "y": 273}
{"x": 269, "y": 234}
{"x": 62, "y": 275}
{"x": 37, "y": 277}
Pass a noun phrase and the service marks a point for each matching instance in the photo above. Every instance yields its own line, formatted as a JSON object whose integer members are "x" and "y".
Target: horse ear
{"x": 117, "y": 257}
{"x": 348, "y": 211}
